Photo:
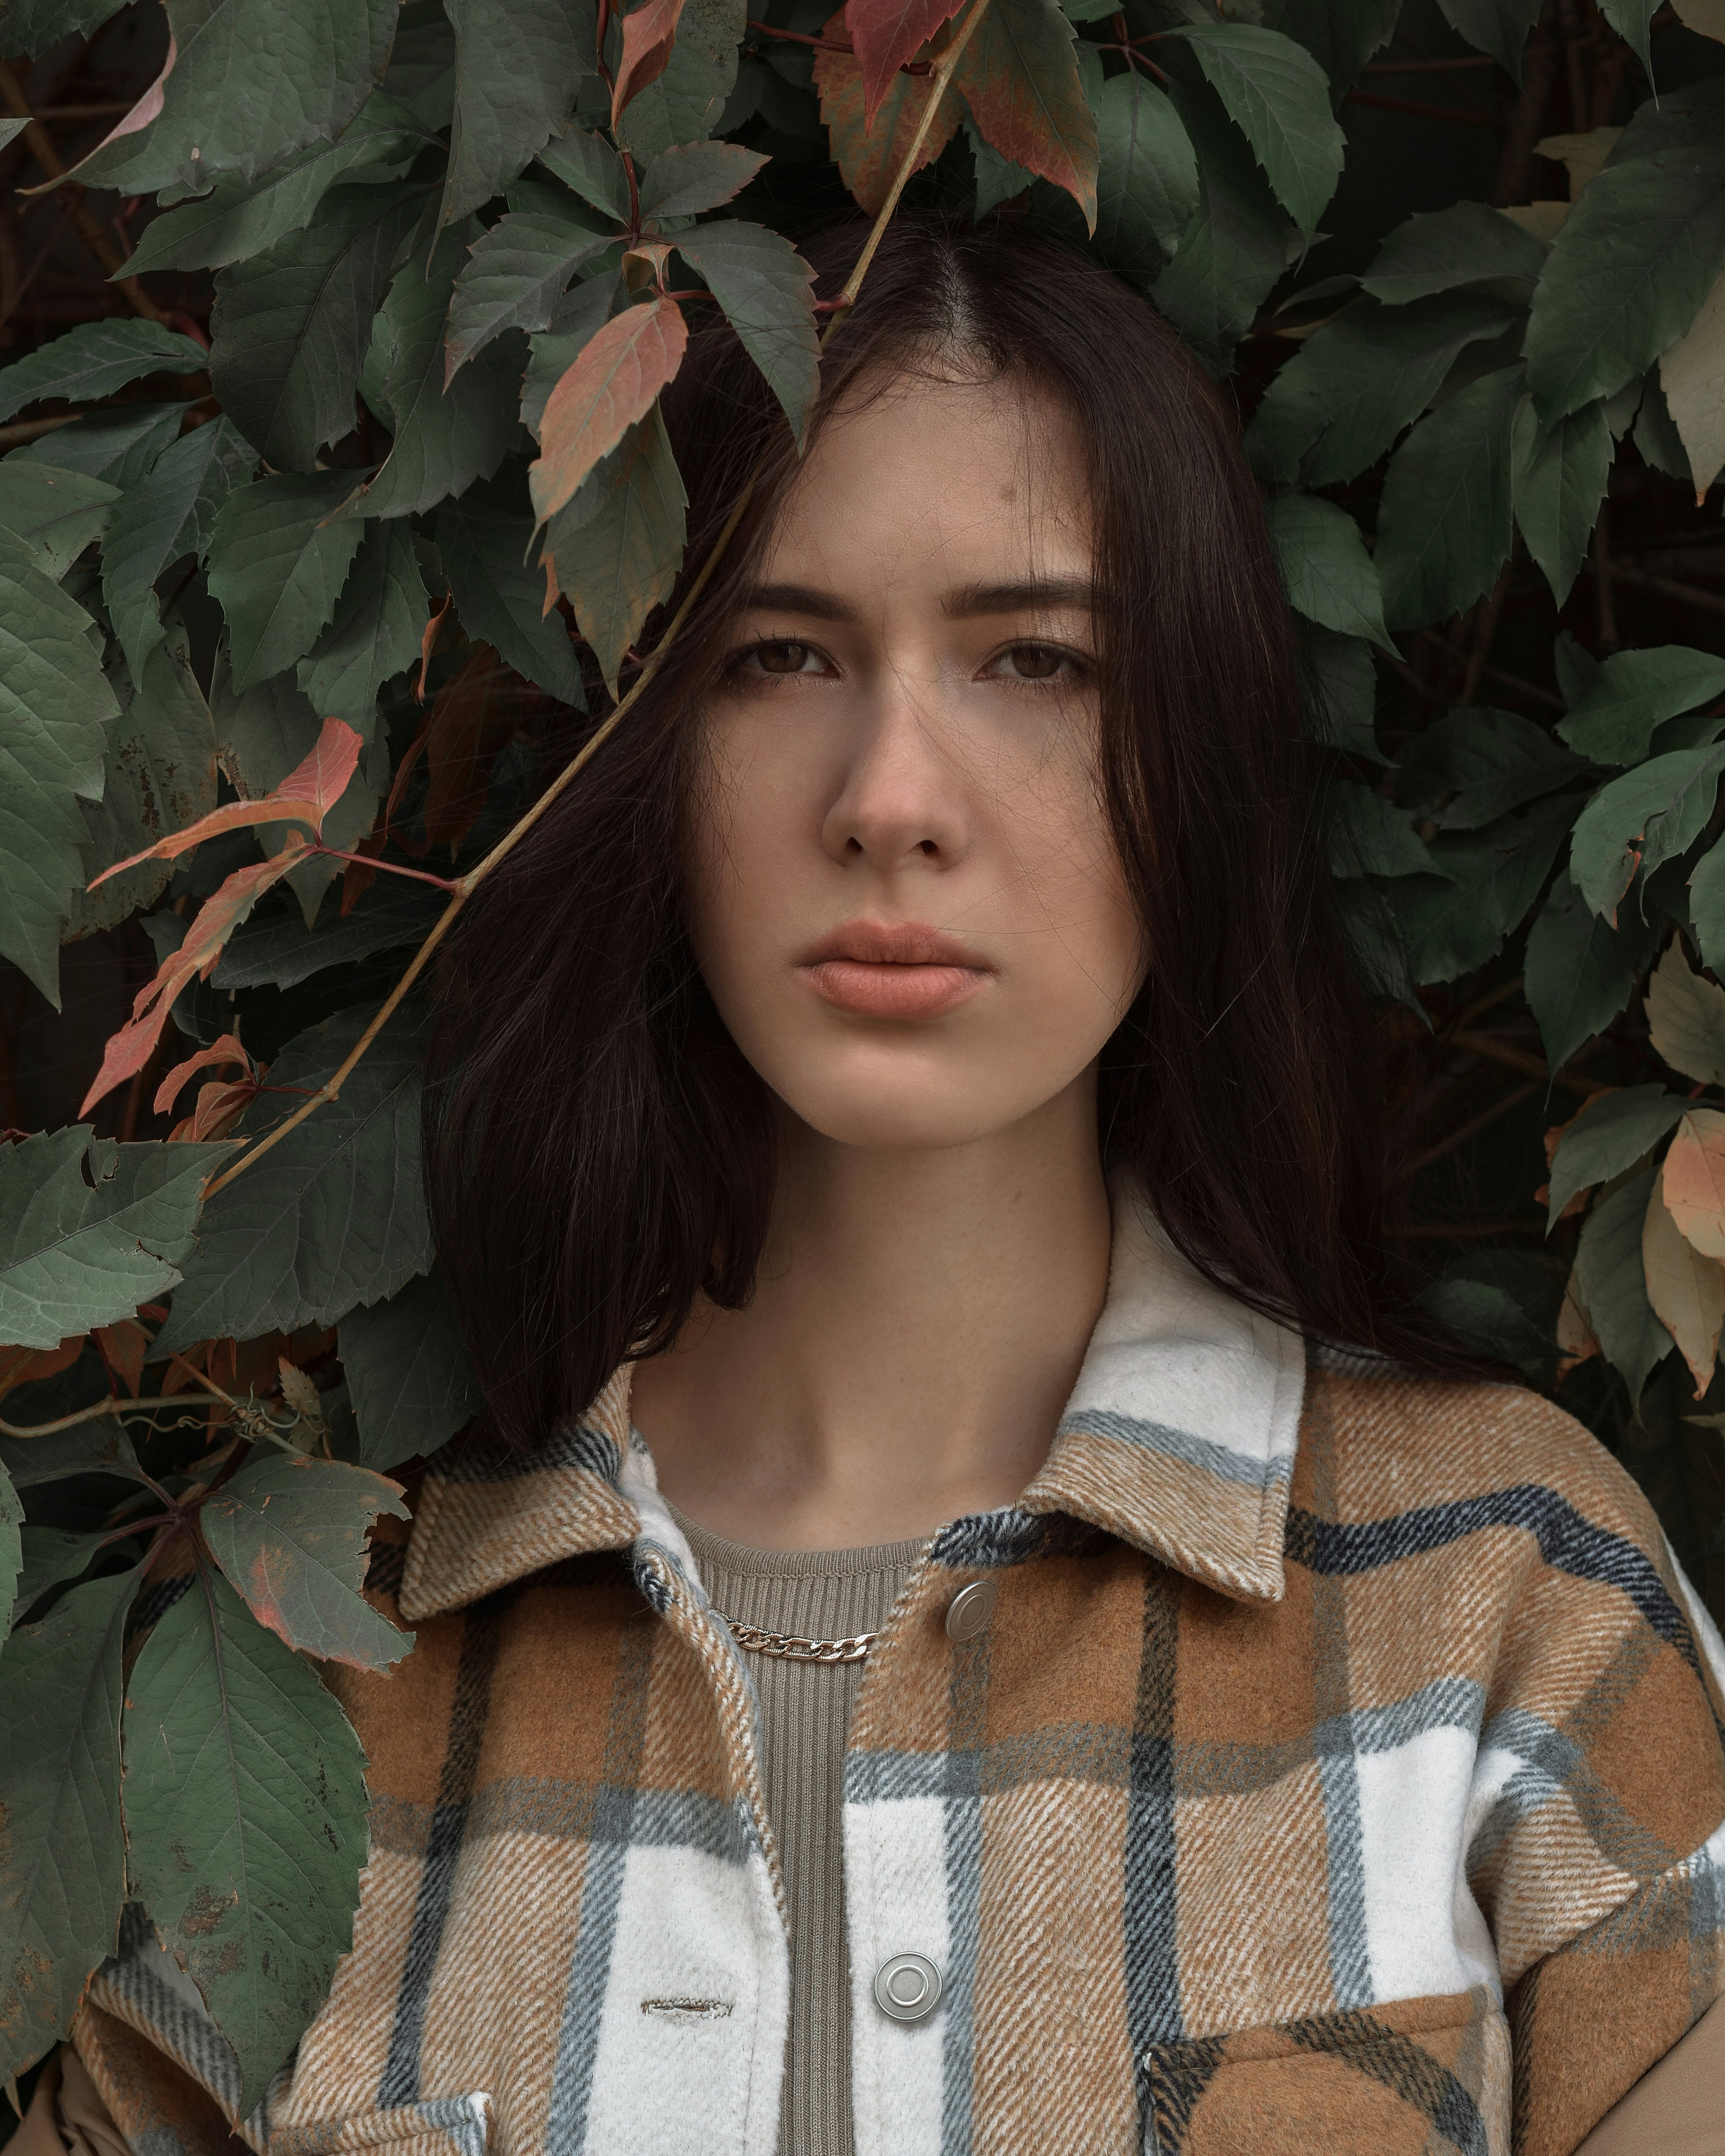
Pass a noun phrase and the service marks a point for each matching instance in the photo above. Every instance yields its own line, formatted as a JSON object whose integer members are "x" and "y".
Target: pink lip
{"x": 903, "y": 970}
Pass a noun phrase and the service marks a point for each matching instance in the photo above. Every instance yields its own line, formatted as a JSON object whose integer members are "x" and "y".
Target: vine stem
{"x": 465, "y": 885}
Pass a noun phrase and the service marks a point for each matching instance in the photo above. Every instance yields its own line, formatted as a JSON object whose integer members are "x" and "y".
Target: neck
{"x": 917, "y": 1325}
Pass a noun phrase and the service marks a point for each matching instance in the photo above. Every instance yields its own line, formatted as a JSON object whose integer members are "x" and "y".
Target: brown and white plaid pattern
{"x": 1340, "y": 1770}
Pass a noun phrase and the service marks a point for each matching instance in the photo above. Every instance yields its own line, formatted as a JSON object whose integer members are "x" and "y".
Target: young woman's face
{"x": 905, "y": 899}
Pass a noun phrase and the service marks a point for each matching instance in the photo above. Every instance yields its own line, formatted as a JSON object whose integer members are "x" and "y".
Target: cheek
{"x": 1072, "y": 884}
{"x": 743, "y": 828}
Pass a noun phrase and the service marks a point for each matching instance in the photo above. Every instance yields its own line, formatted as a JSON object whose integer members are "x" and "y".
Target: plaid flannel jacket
{"x": 1341, "y": 1769}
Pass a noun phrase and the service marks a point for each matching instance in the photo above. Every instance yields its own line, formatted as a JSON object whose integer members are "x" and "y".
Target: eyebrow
{"x": 1040, "y": 595}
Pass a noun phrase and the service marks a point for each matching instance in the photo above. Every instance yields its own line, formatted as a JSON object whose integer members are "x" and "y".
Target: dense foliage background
{"x": 329, "y": 345}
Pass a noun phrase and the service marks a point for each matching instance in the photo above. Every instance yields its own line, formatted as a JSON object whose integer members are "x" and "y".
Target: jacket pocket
{"x": 1401, "y": 2080}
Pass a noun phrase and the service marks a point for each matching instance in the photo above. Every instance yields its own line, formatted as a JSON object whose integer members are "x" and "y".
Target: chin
{"x": 908, "y": 1112}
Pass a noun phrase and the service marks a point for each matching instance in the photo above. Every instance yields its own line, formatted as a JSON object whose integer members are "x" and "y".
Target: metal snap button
{"x": 969, "y": 1610}
{"x": 908, "y": 1987}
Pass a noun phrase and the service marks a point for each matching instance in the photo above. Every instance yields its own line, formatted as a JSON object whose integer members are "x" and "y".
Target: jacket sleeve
{"x": 1596, "y": 1846}
{"x": 1677, "y": 2108}
{"x": 155, "y": 2103}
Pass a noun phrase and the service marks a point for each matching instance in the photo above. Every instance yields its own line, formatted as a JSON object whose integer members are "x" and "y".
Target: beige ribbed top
{"x": 805, "y": 1714}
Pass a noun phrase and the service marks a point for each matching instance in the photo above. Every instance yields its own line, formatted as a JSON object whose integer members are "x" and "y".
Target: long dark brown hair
{"x": 598, "y": 1151}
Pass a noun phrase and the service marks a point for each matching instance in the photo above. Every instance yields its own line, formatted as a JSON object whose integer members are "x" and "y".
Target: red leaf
{"x": 477, "y": 712}
{"x": 868, "y": 156}
{"x": 649, "y": 33}
{"x": 304, "y": 796}
{"x": 24, "y": 1366}
{"x": 1019, "y": 76}
{"x": 226, "y": 1050}
{"x": 121, "y": 1348}
{"x": 613, "y": 383}
{"x": 221, "y": 913}
{"x": 885, "y": 33}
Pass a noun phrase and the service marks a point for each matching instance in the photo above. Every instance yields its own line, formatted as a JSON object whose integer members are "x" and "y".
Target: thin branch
{"x": 1455, "y": 112}
{"x": 108, "y": 1407}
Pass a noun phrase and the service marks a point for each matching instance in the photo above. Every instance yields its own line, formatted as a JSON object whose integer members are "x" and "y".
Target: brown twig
{"x": 1517, "y": 1058}
{"x": 1485, "y": 629}
{"x": 1526, "y": 123}
{"x": 1666, "y": 587}
{"x": 1471, "y": 1128}
{"x": 1459, "y": 114}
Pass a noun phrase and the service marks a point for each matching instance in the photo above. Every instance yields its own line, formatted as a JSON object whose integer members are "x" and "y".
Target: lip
{"x": 903, "y": 969}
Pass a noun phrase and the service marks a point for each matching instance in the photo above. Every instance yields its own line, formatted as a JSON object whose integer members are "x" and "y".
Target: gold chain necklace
{"x": 787, "y": 1647}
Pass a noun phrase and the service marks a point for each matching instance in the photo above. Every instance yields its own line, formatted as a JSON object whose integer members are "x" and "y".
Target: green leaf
{"x": 482, "y": 541}
{"x": 1374, "y": 943}
{"x": 245, "y": 1804}
{"x": 617, "y": 548}
{"x": 412, "y": 1383}
{"x": 1464, "y": 245}
{"x": 90, "y": 1229}
{"x": 1612, "y": 1132}
{"x": 290, "y": 1534}
{"x": 58, "y": 511}
{"x": 515, "y": 275}
{"x": 1580, "y": 970}
{"x": 422, "y": 63}
{"x": 1651, "y": 815}
{"x": 32, "y": 26}
{"x": 1629, "y": 270}
{"x": 49, "y": 1557}
{"x": 588, "y": 164}
{"x": 332, "y": 1216}
{"x": 1343, "y": 692}
{"x": 1493, "y": 876}
{"x": 1630, "y": 693}
{"x": 682, "y": 182}
{"x": 764, "y": 286}
{"x": 1488, "y": 1316}
{"x": 241, "y": 217}
{"x": 1576, "y": 668}
{"x": 1329, "y": 575}
{"x": 1444, "y": 518}
{"x": 1632, "y": 20}
{"x": 685, "y": 104}
{"x": 1370, "y": 836}
{"x": 120, "y": 446}
{"x": 95, "y": 360}
{"x": 1558, "y": 480}
{"x": 379, "y": 621}
{"x": 54, "y": 706}
{"x": 1341, "y": 35}
{"x": 1656, "y": 436}
{"x": 1707, "y": 906}
{"x": 160, "y": 775}
{"x": 1236, "y": 245}
{"x": 292, "y": 324}
{"x": 249, "y": 81}
{"x": 1020, "y": 76}
{"x": 581, "y": 313}
{"x": 1498, "y": 27}
{"x": 12, "y": 1554}
{"x": 1612, "y": 1285}
{"x": 62, "y": 1850}
{"x": 444, "y": 439}
{"x": 1147, "y": 178}
{"x": 1277, "y": 94}
{"x": 1486, "y": 762}
{"x": 170, "y": 513}
{"x": 273, "y": 945}
{"x": 277, "y": 569}
{"x": 518, "y": 65}
{"x": 1352, "y": 386}
{"x": 262, "y": 734}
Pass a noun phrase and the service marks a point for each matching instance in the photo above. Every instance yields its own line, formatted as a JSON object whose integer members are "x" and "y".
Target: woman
{"x": 941, "y": 1646}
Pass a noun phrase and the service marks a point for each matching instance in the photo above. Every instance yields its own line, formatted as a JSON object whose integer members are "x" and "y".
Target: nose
{"x": 899, "y": 800}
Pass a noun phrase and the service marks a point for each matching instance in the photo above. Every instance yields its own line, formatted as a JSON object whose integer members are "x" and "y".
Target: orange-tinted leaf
{"x": 307, "y": 793}
{"x": 885, "y": 33}
{"x": 24, "y": 1366}
{"x": 613, "y": 383}
{"x": 131, "y": 1048}
{"x": 219, "y": 1107}
{"x": 226, "y": 1050}
{"x": 123, "y": 1347}
{"x": 649, "y": 33}
{"x": 477, "y": 713}
{"x": 1695, "y": 1180}
{"x": 1686, "y": 1290}
{"x": 1018, "y": 75}
{"x": 869, "y": 153}
{"x": 1575, "y": 1335}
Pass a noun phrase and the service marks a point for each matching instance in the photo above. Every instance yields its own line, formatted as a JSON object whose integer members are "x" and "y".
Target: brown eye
{"x": 782, "y": 658}
{"x": 1035, "y": 662}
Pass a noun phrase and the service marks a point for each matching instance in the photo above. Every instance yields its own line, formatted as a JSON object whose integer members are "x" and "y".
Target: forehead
{"x": 965, "y": 480}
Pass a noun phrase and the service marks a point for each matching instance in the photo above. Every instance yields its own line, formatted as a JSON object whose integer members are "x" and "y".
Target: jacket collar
{"x": 1179, "y": 1439}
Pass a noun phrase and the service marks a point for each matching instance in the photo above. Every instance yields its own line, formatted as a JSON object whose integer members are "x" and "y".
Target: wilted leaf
{"x": 1444, "y": 516}
{"x": 617, "y": 557}
{"x": 1276, "y": 93}
{"x": 762, "y": 283}
{"x": 869, "y": 156}
{"x": 1692, "y": 375}
{"x": 1685, "y": 1018}
{"x": 291, "y": 325}
{"x": 1629, "y": 693}
{"x": 649, "y": 31}
{"x": 290, "y": 1534}
{"x": 1687, "y": 1291}
{"x": 1329, "y": 575}
{"x": 515, "y": 275}
{"x": 1694, "y": 1180}
{"x": 482, "y": 541}
{"x": 613, "y": 384}
{"x": 1556, "y": 482}
{"x": 333, "y": 1216}
{"x": 1486, "y": 761}
{"x": 1613, "y": 1284}
{"x": 412, "y": 1383}
{"x": 246, "y": 1806}
{"x": 1019, "y": 75}
{"x": 95, "y": 360}
{"x": 1464, "y": 245}
{"x": 277, "y": 566}
{"x": 1146, "y": 177}
{"x": 54, "y": 708}
{"x": 518, "y": 65}
{"x": 59, "y": 512}
{"x": 171, "y": 513}
{"x": 1607, "y": 1138}
{"x": 1580, "y": 970}
{"x": 885, "y": 33}
{"x": 63, "y": 1852}
{"x": 379, "y": 620}
{"x": 1651, "y": 815}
